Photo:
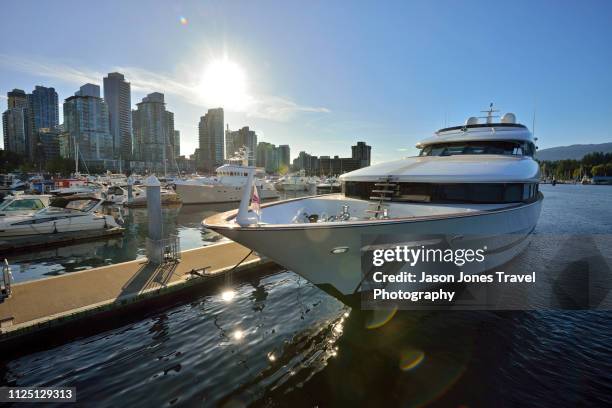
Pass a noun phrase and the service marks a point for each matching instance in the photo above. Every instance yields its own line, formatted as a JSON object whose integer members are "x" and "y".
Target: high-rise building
{"x": 89, "y": 90}
{"x": 43, "y": 113}
{"x": 177, "y": 143}
{"x": 17, "y": 98}
{"x": 334, "y": 166}
{"x": 86, "y": 122}
{"x": 49, "y": 144}
{"x": 16, "y": 123}
{"x": 268, "y": 157}
{"x": 153, "y": 130}
{"x": 235, "y": 140}
{"x": 44, "y": 108}
{"x": 211, "y": 147}
{"x": 15, "y": 126}
{"x": 284, "y": 157}
{"x": 306, "y": 162}
{"x": 361, "y": 151}
{"x": 117, "y": 95}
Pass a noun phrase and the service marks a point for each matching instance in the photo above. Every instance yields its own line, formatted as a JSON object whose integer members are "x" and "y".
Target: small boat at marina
{"x": 12, "y": 182}
{"x": 294, "y": 182}
{"x": 473, "y": 185}
{"x": 329, "y": 185}
{"x": 118, "y": 194}
{"x": 23, "y": 204}
{"x": 64, "y": 215}
{"x": 112, "y": 179}
{"x": 226, "y": 186}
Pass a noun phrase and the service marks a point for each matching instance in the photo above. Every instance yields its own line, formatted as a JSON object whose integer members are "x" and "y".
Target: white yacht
{"x": 64, "y": 214}
{"x": 23, "y": 204}
{"x": 112, "y": 179}
{"x": 474, "y": 184}
{"x": 294, "y": 182}
{"x": 226, "y": 186}
{"x": 118, "y": 194}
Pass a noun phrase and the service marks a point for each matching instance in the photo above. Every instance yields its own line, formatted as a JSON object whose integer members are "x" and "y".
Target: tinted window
{"x": 481, "y": 193}
{"x": 509, "y": 148}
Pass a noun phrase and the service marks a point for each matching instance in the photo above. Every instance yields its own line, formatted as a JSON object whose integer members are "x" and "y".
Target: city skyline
{"x": 318, "y": 85}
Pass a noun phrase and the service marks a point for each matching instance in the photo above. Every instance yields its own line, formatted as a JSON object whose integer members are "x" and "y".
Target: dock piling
{"x": 130, "y": 189}
{"x": 154, "y": 214}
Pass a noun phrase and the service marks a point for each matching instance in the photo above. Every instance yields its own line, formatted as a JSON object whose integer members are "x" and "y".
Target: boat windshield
{"x": 508, "y": 148}
{"x": 62, "y": 205}
{"x": 21, "y": 204}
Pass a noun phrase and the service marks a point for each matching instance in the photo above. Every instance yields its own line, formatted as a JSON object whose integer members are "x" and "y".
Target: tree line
{"x": 10, "y": 162}
{"x": 592, "y": 164}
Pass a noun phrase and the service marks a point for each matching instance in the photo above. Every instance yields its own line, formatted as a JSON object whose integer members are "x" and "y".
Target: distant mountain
{"x": 575, "y": 152}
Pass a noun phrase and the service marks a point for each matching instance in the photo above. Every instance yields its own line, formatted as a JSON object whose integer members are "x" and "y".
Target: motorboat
{"x": 112, "y": 179}
{"x": 64, "y": 215}
{"x": 12, "y": 182}
{"x": 294, "y": 182}
{"x": 226, "y": 186}
{"x": 475, "y": 184}
{"x": 23, "y": 204}
{"x": 329, "y": 185}
{"x": 118, "y": 194}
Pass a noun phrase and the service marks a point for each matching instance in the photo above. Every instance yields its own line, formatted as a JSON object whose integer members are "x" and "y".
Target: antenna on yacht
{"x": 490, "y": 114}
{"x": 533, "y": 124}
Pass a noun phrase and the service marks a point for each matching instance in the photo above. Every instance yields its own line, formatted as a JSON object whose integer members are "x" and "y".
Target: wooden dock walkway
{"x": 48, "y": 302}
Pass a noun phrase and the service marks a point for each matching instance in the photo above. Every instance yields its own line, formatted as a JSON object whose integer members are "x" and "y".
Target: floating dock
{"x": 53, "y": 240}
{"x": 96, "y": 296}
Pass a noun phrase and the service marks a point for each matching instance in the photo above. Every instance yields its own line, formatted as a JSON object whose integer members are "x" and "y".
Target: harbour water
{"x": 282, "y": 341}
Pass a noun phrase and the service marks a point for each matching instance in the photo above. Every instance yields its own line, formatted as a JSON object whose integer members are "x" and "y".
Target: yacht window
{"x": 479, "y": 193}
{"x": 510, "y": 148}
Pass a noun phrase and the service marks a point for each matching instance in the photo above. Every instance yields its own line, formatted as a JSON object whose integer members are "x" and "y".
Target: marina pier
{"x": 89, "y": 298}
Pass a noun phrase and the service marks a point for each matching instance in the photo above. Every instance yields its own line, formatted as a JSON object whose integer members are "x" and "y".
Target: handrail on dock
{"x": 170, "y": 248}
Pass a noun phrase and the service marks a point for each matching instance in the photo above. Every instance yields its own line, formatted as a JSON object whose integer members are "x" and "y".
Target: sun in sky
{"x": 223, "y": 83}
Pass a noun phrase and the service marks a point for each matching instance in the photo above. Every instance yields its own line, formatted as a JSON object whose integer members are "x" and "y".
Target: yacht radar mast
{"x": 490, "y": 114}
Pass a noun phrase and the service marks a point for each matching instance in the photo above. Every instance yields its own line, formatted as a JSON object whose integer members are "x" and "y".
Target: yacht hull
{"x": 294, "y": 187}
{"x": 22, "y": 228}
{"x": 307, "y": 248}
{"x": 205, "y": 194}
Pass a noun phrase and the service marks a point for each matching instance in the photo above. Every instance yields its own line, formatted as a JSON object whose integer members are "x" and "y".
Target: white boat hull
{"x": 86, "y": 222}
{"x": 216, "y": 193}
{"x": 294, "y": 187}
{"x": 307, "y": 248}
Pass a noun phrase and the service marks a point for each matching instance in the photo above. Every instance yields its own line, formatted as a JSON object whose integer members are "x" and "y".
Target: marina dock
{"x": 95, "y": 295}
{"x": 55, "y": 240}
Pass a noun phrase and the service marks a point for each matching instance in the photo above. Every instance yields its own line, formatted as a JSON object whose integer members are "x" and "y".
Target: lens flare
{"x": 411, "y": 359}
{"x": 183, "y": 20}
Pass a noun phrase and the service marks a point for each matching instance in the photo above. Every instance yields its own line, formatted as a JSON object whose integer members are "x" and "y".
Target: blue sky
{"x": 321, "y": 75}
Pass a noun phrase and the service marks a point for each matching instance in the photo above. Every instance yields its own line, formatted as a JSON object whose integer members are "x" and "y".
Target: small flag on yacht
{"x": 255, "y": 201}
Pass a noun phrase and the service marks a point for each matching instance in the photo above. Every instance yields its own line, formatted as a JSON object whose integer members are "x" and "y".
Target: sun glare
{"x": 223, "y": 83}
